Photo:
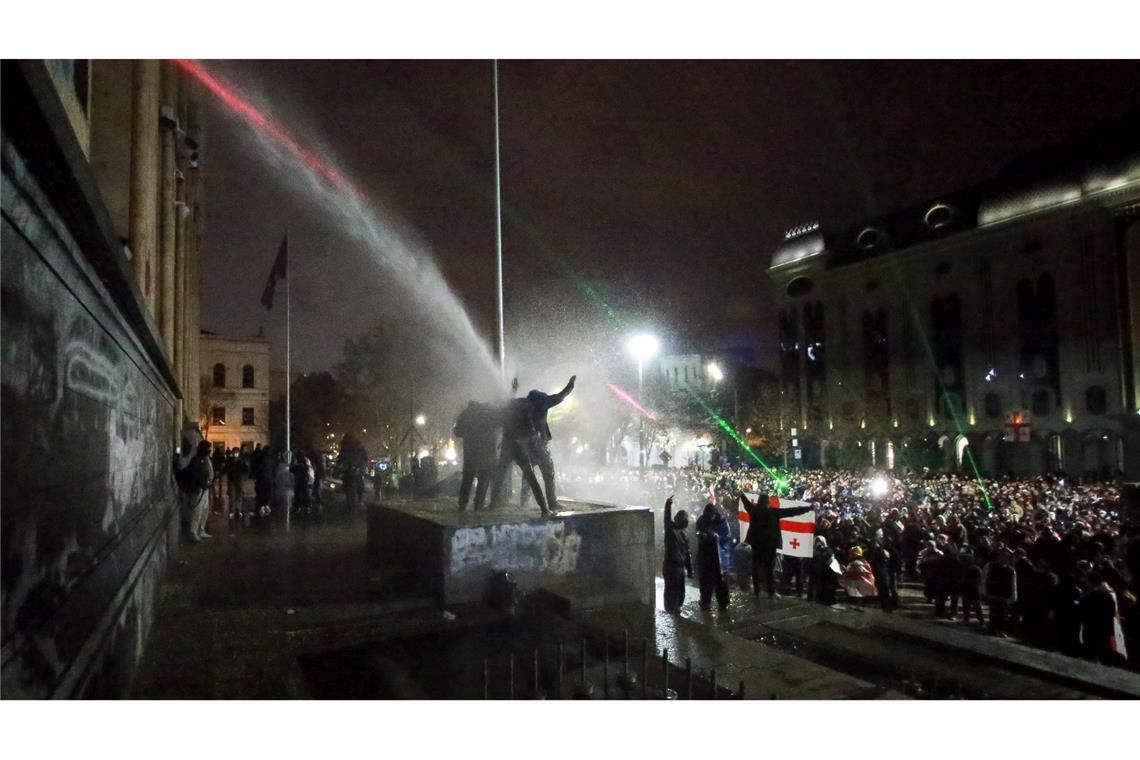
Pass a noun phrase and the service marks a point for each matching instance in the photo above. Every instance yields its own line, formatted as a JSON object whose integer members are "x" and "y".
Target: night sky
{"x": 660, "y": 187}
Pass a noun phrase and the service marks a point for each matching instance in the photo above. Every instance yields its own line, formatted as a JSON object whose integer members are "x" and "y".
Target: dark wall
{"x": 89, "y": 505}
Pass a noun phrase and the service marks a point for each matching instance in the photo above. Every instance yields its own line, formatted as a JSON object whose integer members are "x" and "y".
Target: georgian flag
{"x": 798, "y": 531}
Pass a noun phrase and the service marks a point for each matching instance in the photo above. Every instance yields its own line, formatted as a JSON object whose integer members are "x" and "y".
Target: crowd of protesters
{"x": 1046, "y": 559}
{"x": 245, "y": 485}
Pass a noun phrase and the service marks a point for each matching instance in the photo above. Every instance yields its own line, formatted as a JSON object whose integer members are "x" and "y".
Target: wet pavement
{"x": 301, "y": 612}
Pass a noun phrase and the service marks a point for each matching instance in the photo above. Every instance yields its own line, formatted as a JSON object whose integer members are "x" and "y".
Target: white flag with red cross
{"x": 798, "y": 531}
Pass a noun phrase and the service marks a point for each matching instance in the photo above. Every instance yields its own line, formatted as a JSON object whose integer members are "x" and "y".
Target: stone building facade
{"x": 102, "y": 214}
{"x": 993, "y": 328}
{"x": 235, "y": 390}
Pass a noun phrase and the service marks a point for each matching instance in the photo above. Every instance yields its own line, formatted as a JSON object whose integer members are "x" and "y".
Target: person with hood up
{"x": 713, "y": 535}
{"x": 678, "y": 560}
{"x": 538, "y": 445}
{"x": 857, "y": 579}
{"x": 823, "y": 573}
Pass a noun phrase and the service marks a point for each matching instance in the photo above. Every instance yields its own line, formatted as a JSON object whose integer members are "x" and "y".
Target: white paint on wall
{"x": 534, "y": 547}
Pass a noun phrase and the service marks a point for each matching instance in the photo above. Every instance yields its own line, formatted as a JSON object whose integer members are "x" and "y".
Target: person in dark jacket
{"x": 518, "y": 429}
{"x": 823, "y": 578}
{"x": 970, "y": 588}
{"x": 538, "y": 445}
{"x": 478, "y": 427}
{"x": 1001, "y": 589}
{"x": 947, "y": 576}
{"x": 1098, "y": 614}
{"x": 712, "y": 533}
{"x": 765, "y": 538}
{"x": 678, "y": 560}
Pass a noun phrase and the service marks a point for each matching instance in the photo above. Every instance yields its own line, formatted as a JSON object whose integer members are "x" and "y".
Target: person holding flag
{"x": 766, "y": 538}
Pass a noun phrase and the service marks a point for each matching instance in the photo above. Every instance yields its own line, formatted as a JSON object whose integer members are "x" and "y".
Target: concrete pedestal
{"x": 594, "y": 555}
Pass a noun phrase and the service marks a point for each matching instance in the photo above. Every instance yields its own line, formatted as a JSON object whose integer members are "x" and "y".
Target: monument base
{"x": 594, "y": 555}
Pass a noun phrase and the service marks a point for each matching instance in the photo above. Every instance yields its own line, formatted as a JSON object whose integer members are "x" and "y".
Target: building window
{"x": 219, "y": 375}
{"x": 218, "y": 415}
{"x": 247, "y": 415}
{"x": 993, "y": 406}
{"x": 1042, "y": 402}
{"x": 247, "y": 376}
{"x": 1096, "y": 399}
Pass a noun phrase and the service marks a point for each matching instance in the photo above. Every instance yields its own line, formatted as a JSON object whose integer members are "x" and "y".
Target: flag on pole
{"x": 798, "y": 532}
{"x": 280, "y": 265}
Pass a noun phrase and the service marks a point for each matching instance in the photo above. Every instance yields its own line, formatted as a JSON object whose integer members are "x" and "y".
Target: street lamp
{"x": 643, "y": 347}
{"x": 421, "y": 420}
{"x": 715, "y": 372}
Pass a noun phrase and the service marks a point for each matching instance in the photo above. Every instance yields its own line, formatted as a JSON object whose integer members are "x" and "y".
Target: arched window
{"x": 247, "y": 376}
{"x": 219, "y": 375}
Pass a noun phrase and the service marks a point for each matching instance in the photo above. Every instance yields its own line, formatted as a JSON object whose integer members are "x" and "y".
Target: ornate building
{"x": 235, "y": 390}
{"x": 996, "y": 327}
{"x": 102, "y": 214}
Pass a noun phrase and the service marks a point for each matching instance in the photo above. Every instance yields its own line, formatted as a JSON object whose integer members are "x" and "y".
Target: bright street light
{"x": 421, "y": 420}
{"x": 643, "y": 346}
{"x": 715, "y": 372}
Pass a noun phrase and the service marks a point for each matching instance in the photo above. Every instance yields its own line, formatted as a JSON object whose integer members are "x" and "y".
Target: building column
{"x": 144, "y": 176}
{"x": 168, "y": 214}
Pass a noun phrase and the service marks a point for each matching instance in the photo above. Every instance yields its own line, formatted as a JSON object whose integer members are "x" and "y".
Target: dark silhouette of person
{"x": 678, "y": 560}
{"x": 765, "y": 538}
{"x": 538, "y": 445}
{"x": 713, "y": 534}
{"x": 518, "y": 428}
{"x": 478, "y": 427}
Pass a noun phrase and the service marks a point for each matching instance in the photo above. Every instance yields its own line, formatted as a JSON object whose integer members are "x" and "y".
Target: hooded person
{"x": 678, "y": 560}
{"x": 858, "y": 580}
{"x": 538, "y": 445}
{"x": 823, "y": 573}
{"x": 713, "y": 534}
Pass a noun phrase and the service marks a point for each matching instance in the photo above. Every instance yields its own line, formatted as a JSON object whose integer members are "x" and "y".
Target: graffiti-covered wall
{"x": 88, "y": 501}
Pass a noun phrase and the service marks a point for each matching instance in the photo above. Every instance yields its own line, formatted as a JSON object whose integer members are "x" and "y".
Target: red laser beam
{"x": 627, "y": 399}
{"x": 261, "y": 122}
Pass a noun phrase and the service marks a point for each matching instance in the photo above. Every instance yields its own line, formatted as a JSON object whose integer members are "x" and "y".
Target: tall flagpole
{"x": 288, "y": 383}
{"x": 499, "y": 238}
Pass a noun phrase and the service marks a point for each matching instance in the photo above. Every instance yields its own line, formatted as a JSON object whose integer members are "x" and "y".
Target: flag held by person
{"x": 798, "y": 532}
{"x": 278, "y": 272}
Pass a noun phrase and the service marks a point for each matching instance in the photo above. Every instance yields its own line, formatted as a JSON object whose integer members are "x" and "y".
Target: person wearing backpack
{"x": 196, "y": 480}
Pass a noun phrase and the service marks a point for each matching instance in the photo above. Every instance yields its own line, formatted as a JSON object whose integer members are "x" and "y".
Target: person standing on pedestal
{"x": 478, "y": 427}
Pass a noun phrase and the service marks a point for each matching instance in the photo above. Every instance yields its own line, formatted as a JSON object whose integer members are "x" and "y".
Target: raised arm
{"x": 668, "y": 514}
{"x": 557, "y": 398}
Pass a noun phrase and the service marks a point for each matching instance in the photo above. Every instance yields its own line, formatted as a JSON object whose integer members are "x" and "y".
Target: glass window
{"x": 247, "y": 376}
{"x": 219, "y": 375}
{"x": 218, "y": 415}
{"x": 247, "y": 415}
{"x": 1042, "y": 402}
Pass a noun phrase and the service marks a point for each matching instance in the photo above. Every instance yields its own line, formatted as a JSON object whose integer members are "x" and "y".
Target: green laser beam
{"x": 944, "y": 395}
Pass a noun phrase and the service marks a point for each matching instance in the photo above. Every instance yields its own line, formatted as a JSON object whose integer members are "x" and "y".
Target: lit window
{"x": 218, "y": 415}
